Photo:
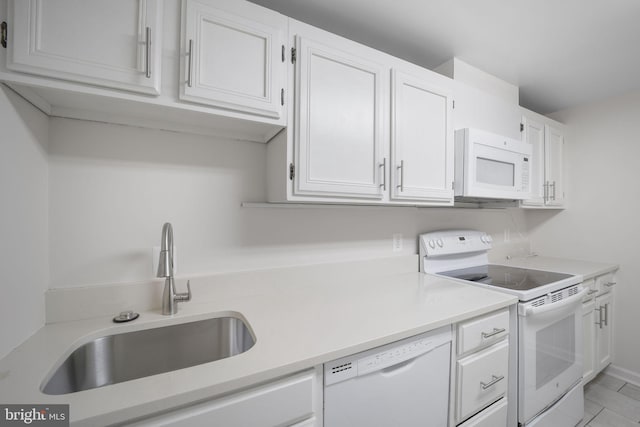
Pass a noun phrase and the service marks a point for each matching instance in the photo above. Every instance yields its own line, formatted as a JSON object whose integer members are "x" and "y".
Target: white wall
{"x": 23, "y": 219}
{"x": 602, "y": 222}
{"x": 112, "y": 187}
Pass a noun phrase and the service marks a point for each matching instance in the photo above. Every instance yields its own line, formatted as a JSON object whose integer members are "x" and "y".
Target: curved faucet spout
{"x": 165, "y": 263}
{"x": 170, "y": 297}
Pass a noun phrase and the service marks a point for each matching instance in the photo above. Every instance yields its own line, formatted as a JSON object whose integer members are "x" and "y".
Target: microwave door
{"x": 496, "y": 173}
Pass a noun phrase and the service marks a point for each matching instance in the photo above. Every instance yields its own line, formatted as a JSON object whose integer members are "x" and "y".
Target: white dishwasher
{"x": 405, "y": 383}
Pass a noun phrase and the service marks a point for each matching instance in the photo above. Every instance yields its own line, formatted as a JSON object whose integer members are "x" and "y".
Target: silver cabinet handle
{"x": 148, "y": 53}
{"x": 592, "y": 291}
{"x": 190, "y": 63}
{"x": 554, "y": 190}
{"x": 494, "y": 380}
{"x": 546, "y": 191}
{"x": 495, "y": 331}
{"x": 599, "y": 310}
{"x": 383, "y": 165}
{"x": 610, "y": 284}
{"x": 606, "y": 314}
{"x": 401, "y": 167}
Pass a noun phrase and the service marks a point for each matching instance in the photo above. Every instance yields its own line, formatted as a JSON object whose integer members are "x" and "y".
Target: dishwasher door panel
{"x": 411, "y": 393}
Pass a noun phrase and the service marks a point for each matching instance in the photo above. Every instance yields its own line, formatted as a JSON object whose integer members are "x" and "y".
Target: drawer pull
{"x": 494, "y": 380}
{"x": 496, "y": 331}
{"x": 609, "y": 284}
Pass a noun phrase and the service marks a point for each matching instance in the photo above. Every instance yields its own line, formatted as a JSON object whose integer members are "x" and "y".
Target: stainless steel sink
{"x": 122, "y": 357}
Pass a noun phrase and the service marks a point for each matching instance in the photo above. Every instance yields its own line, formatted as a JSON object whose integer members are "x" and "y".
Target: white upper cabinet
{"x": 483, "y": 101}
{"x": 233, "y": 57}
{"x": 365, "y": 127}
{"x": 534, "y": 135}
{"x": 115, "y": 44}
{"x": 421, "y": 139}
{"x": 554, "y": 147}
{"x": 341, "y": 109}
{"x": 547, "y": 183}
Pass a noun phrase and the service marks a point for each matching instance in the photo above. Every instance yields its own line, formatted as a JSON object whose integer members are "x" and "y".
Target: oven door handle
{"x": 533, "y": 311}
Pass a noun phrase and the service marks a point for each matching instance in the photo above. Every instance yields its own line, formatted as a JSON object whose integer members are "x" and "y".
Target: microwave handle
{"x": 532, "y": 311}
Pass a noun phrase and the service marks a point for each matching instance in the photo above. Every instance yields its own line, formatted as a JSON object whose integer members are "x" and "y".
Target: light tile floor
{"x": 611, "y": 402}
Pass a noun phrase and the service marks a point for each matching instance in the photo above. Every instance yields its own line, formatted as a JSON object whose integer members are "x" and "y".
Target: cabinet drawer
{"x": 283, "y": 402}
{"x": 493, "y": 416}
{"x": 605, "y": 282}
{"x": 593, "y": 289}
{"x": 482, "y": 331}
{"x": 482, "y": 379}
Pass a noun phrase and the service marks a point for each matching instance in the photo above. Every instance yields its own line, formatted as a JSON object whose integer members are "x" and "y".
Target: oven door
{"x": 549, "y": 353}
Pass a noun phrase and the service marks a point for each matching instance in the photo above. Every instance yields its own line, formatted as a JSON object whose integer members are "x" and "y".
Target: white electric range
{"x": 546, "y": 327}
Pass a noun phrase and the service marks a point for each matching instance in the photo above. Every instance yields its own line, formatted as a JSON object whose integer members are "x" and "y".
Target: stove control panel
{"x": 454, "y": 242}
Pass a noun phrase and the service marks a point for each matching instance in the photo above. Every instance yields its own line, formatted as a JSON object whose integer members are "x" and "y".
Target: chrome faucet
{"x": 170, "y": 298}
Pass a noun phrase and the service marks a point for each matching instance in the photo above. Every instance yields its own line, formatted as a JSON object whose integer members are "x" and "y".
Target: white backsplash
{"x": 112, "y": 187}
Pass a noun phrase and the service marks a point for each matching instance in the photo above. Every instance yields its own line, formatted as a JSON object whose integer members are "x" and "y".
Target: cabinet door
{"x": 233, "y": 57}
{"x": 421, "y": 140}
{"x": 554, "y": 146}
{"x": 115, "y": 43}
{"x": 604, "y": 318}
{"x": 279, "y": 403}
{"x": 588, "y": 340}
{"x": 534, "y": 135}
{"x": 340, "y": 114}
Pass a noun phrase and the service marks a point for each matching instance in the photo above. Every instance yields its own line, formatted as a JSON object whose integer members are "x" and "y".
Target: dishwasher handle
{"x": 396, "y": 359}
{"x": 387, "y": 357}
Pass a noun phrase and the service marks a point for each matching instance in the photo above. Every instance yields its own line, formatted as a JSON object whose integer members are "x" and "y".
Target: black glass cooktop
{"x": 520, "y": 279}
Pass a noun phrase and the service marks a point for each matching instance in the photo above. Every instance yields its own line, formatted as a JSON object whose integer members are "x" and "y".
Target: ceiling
{"x": 560, "y": 53}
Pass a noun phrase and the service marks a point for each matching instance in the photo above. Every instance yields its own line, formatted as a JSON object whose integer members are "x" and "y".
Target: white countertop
{"x": 586, "y": 269}
{"x": 297, "y": 325}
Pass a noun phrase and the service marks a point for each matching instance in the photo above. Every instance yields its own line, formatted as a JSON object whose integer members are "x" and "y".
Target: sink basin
{"x": 122, "y": 357}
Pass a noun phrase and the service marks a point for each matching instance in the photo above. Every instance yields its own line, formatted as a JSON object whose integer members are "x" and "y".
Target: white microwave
{"x": 490, "y": 166}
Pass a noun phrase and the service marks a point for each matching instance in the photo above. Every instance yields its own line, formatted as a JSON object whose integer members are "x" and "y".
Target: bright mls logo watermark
{"x": 34, "y": 415}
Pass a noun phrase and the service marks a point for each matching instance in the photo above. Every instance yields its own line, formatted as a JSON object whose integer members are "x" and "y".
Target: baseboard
{"x": 623, "y": 374}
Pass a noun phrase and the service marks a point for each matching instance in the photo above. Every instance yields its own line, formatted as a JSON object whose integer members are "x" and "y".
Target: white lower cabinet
{"x": 588, "y": 341}
{"x": 494, "y": 415}
{"x": 482, "y": 370}
{"x": 310, "y": 422}
{"x": 603, "y": 341}
{"x": 482, "y": 379}
{"x": 292, "y": 401}
{"x": 482, "y": 331}
{"x": 597, "y": 315}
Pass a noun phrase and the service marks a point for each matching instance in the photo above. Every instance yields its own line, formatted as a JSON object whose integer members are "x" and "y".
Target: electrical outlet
{"x": 155, "y": 257}
{"x": 397, "y": 242}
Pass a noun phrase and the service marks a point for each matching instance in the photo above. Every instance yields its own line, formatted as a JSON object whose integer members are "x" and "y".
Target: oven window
{"x": 489, "y": 171}
{"x": 555, "y": 350}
